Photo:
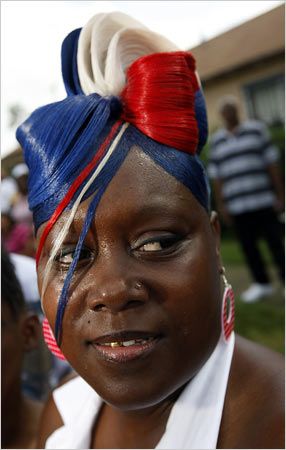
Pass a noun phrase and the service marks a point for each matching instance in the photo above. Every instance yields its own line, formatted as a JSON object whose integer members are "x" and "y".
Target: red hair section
{"x": 159, "y": 99}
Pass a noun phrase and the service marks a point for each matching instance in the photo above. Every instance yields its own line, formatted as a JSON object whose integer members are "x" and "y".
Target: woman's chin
{"x": 137, "y": 394}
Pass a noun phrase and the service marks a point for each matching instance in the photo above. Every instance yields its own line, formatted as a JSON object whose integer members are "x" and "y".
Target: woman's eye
{"x": 66, "y": 256}
{"x": 159, "y": 244}
{"x": 151, "y": 247}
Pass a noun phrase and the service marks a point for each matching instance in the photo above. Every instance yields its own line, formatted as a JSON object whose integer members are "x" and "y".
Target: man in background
{"x": 249, "y": 192}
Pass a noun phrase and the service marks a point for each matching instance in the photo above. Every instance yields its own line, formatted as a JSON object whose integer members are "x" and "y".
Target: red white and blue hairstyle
{"x": 74, "y": 147}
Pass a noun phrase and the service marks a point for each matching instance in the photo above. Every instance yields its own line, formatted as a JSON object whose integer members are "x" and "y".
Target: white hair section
{"x": 108, "y": 44}
{"x": 198, "y": 79}
{"x": 64, "y": 230}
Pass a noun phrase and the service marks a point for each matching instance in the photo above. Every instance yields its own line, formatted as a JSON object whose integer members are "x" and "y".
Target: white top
{"x": 194, "y": 420}
{"x": 25, "y": 268}
{"x": 8, "y": 192}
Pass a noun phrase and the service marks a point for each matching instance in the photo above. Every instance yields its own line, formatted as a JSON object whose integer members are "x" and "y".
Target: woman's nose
{"x": 116, "y": 291}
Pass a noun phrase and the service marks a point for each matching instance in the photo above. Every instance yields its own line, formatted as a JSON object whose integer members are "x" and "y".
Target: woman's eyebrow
{"x": 156, "y": 208}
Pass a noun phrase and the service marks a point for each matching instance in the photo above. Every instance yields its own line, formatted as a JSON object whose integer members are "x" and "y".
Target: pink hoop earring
{"x": 227, "y": 311}
{"x": 50, "y": 340}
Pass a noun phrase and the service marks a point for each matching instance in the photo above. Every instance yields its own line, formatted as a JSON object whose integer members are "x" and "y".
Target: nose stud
{"x": 138, "y": 285}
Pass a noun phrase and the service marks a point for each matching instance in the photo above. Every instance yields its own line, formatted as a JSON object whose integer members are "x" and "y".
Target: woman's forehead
{"x": 140, "y": 185}
{"x": 140, "y": 188}
{"x": 139, "y": 175}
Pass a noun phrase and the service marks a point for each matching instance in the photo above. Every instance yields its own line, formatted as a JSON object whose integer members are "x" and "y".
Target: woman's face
{"x": 144, "y": 306}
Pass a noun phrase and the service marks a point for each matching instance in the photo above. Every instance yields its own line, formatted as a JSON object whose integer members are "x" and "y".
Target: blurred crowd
{"x": 16, "y": 218}
{"x": 30, "y": 371}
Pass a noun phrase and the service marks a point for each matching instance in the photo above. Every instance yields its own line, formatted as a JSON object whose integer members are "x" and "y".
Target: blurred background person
{"x": 249, "y": 192}
{"x": 42, "y": 371}
{"x": 20, "y": 209}
{"x": 16, "y": 218}
{"x": 25, "y": 268}
{"x": 37, "y": 365}
{"x": 9, "y": 190}
{"x": 16, "y": 237}
{"x": 20, "y": 334}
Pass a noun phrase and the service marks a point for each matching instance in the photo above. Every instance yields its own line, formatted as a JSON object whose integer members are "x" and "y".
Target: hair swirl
{"x": 159, "y": 99}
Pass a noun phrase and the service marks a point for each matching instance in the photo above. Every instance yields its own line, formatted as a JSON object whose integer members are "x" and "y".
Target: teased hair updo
{"x": 125, "y": 86}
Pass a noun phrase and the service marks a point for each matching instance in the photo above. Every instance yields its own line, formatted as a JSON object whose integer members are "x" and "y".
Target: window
{"x": 265, "y": 100}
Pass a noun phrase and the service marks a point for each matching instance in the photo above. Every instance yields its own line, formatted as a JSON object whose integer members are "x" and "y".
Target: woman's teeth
{"x": 126, "y": 343}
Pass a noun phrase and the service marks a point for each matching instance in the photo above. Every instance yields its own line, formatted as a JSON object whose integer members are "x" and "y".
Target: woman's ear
{"x": 30, "y": 330}
{"x": 215, "y": 226}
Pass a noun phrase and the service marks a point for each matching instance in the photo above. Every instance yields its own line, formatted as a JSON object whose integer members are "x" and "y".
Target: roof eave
{"x": 230, "y": 70}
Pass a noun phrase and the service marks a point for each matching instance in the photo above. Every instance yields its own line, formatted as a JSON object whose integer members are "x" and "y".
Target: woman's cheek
{"x": 50, "y": 300}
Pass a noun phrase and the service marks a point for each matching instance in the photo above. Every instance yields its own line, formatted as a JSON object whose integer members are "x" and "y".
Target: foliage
{"x": 278, "y": 138}
{"x": 232, "y": 254}
{"x": 262, "y": 322}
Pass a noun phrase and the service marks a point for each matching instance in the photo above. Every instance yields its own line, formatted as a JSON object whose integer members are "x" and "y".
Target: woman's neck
{"x": 142, "y": 428}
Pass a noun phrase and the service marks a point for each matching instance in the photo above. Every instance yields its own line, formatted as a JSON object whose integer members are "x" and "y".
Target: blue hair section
{"x": 58, "y": 141}
{"x": 202, "y": 120}
{"x": 184, "y": 167}
{"x": 69, "y": 63}
{"x": 64, "y": 293}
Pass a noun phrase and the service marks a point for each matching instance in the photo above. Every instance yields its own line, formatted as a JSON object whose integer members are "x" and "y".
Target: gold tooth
{"x": 115, "y": 344}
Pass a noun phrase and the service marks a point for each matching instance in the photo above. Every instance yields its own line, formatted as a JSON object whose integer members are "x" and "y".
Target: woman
{"x": 129, "y": 268}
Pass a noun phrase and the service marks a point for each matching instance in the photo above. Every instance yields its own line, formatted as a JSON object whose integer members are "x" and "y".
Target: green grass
{"x": 262, "y": 322}
{"x": 232, "y": 254}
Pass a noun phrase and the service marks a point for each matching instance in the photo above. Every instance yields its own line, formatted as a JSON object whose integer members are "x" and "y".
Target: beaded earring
{"x": 50, "y": 340}
{"x": 227, "y": 311}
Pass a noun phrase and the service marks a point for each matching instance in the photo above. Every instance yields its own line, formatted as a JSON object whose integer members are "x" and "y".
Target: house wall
{"x": 232, "y": 84}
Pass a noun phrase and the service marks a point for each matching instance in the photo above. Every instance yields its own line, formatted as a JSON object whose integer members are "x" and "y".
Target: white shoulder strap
{"x": 195, "y": 419}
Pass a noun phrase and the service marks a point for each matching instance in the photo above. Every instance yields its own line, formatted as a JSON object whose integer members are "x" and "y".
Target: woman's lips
{"x": 124, "y": 347}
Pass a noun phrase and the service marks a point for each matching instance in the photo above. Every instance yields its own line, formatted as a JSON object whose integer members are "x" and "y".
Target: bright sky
{"x": 32, "y": 33}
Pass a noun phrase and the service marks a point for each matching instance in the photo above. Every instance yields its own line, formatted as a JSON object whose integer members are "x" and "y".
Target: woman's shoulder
{"x": 254, "y": 360}
{"x": 253, "y": 415}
